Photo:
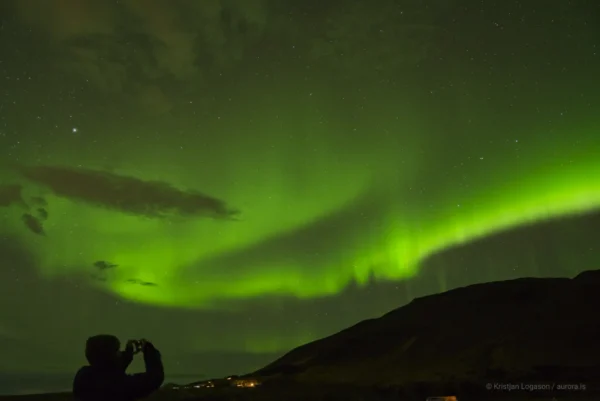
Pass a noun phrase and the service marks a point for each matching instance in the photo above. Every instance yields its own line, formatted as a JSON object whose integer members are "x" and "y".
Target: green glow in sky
{"x": 290, "y": 189}
{"x": 391, "y": 151}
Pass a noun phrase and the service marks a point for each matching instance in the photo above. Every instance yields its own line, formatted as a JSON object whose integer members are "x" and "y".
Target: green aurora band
{"x": 209, "y": 264}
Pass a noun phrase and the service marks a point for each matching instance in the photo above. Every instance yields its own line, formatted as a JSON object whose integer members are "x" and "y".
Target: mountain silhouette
{"x": 535, "y": 328}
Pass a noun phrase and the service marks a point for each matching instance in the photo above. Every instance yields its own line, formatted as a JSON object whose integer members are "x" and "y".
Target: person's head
{"x": 103, "y": 350}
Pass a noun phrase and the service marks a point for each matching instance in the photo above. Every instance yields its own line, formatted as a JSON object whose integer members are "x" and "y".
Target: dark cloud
{"x": 42, "y": 213}
{"x": 126, "y": 194}
{"x": 103, "y": 265}
{"x": 39, "y": 201}
{"x": 102, "y": 275}
{"x": 152, "y": 51}
{"x": 142, "y": 283}
{"x": 10, "y": 194}
{"x": 102, "y": 270}
{"x": 33, "y": 224}
{"x": 133, "y": 46}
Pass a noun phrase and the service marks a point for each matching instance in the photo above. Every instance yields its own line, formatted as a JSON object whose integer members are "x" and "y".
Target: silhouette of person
{"x": 105, "y": 377}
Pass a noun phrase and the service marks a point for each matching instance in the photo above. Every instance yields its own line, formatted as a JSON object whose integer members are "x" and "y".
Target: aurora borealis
{"x": 232, "y": 179}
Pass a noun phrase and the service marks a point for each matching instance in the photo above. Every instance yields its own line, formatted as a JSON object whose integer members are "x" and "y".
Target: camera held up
{"x": 137, "y": 345}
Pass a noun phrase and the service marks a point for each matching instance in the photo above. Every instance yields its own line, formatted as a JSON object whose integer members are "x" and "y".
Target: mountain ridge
{"x": 506, "y": 329}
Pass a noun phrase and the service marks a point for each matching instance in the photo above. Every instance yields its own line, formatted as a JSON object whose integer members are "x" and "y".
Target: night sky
{"x": 233, "y": 178}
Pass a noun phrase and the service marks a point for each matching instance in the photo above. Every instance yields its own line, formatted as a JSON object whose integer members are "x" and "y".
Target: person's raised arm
{"x": 141, "y": 385}
{"x": 127, "y": 355}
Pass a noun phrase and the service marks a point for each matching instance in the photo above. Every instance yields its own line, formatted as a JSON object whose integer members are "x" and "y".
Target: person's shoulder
{"x": 81, "y": 381}
{"x": 83, "y": 372}
{"x": 84, "y": 369}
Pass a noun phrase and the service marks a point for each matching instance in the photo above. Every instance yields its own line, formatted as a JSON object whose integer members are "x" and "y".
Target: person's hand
{"x": 130, "y": 346}
{"x": 146, "y": 345}
{"x": 133, "y": 346}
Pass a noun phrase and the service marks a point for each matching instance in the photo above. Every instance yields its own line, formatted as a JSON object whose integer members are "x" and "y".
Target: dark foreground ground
{"x": 320, "y": 393}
